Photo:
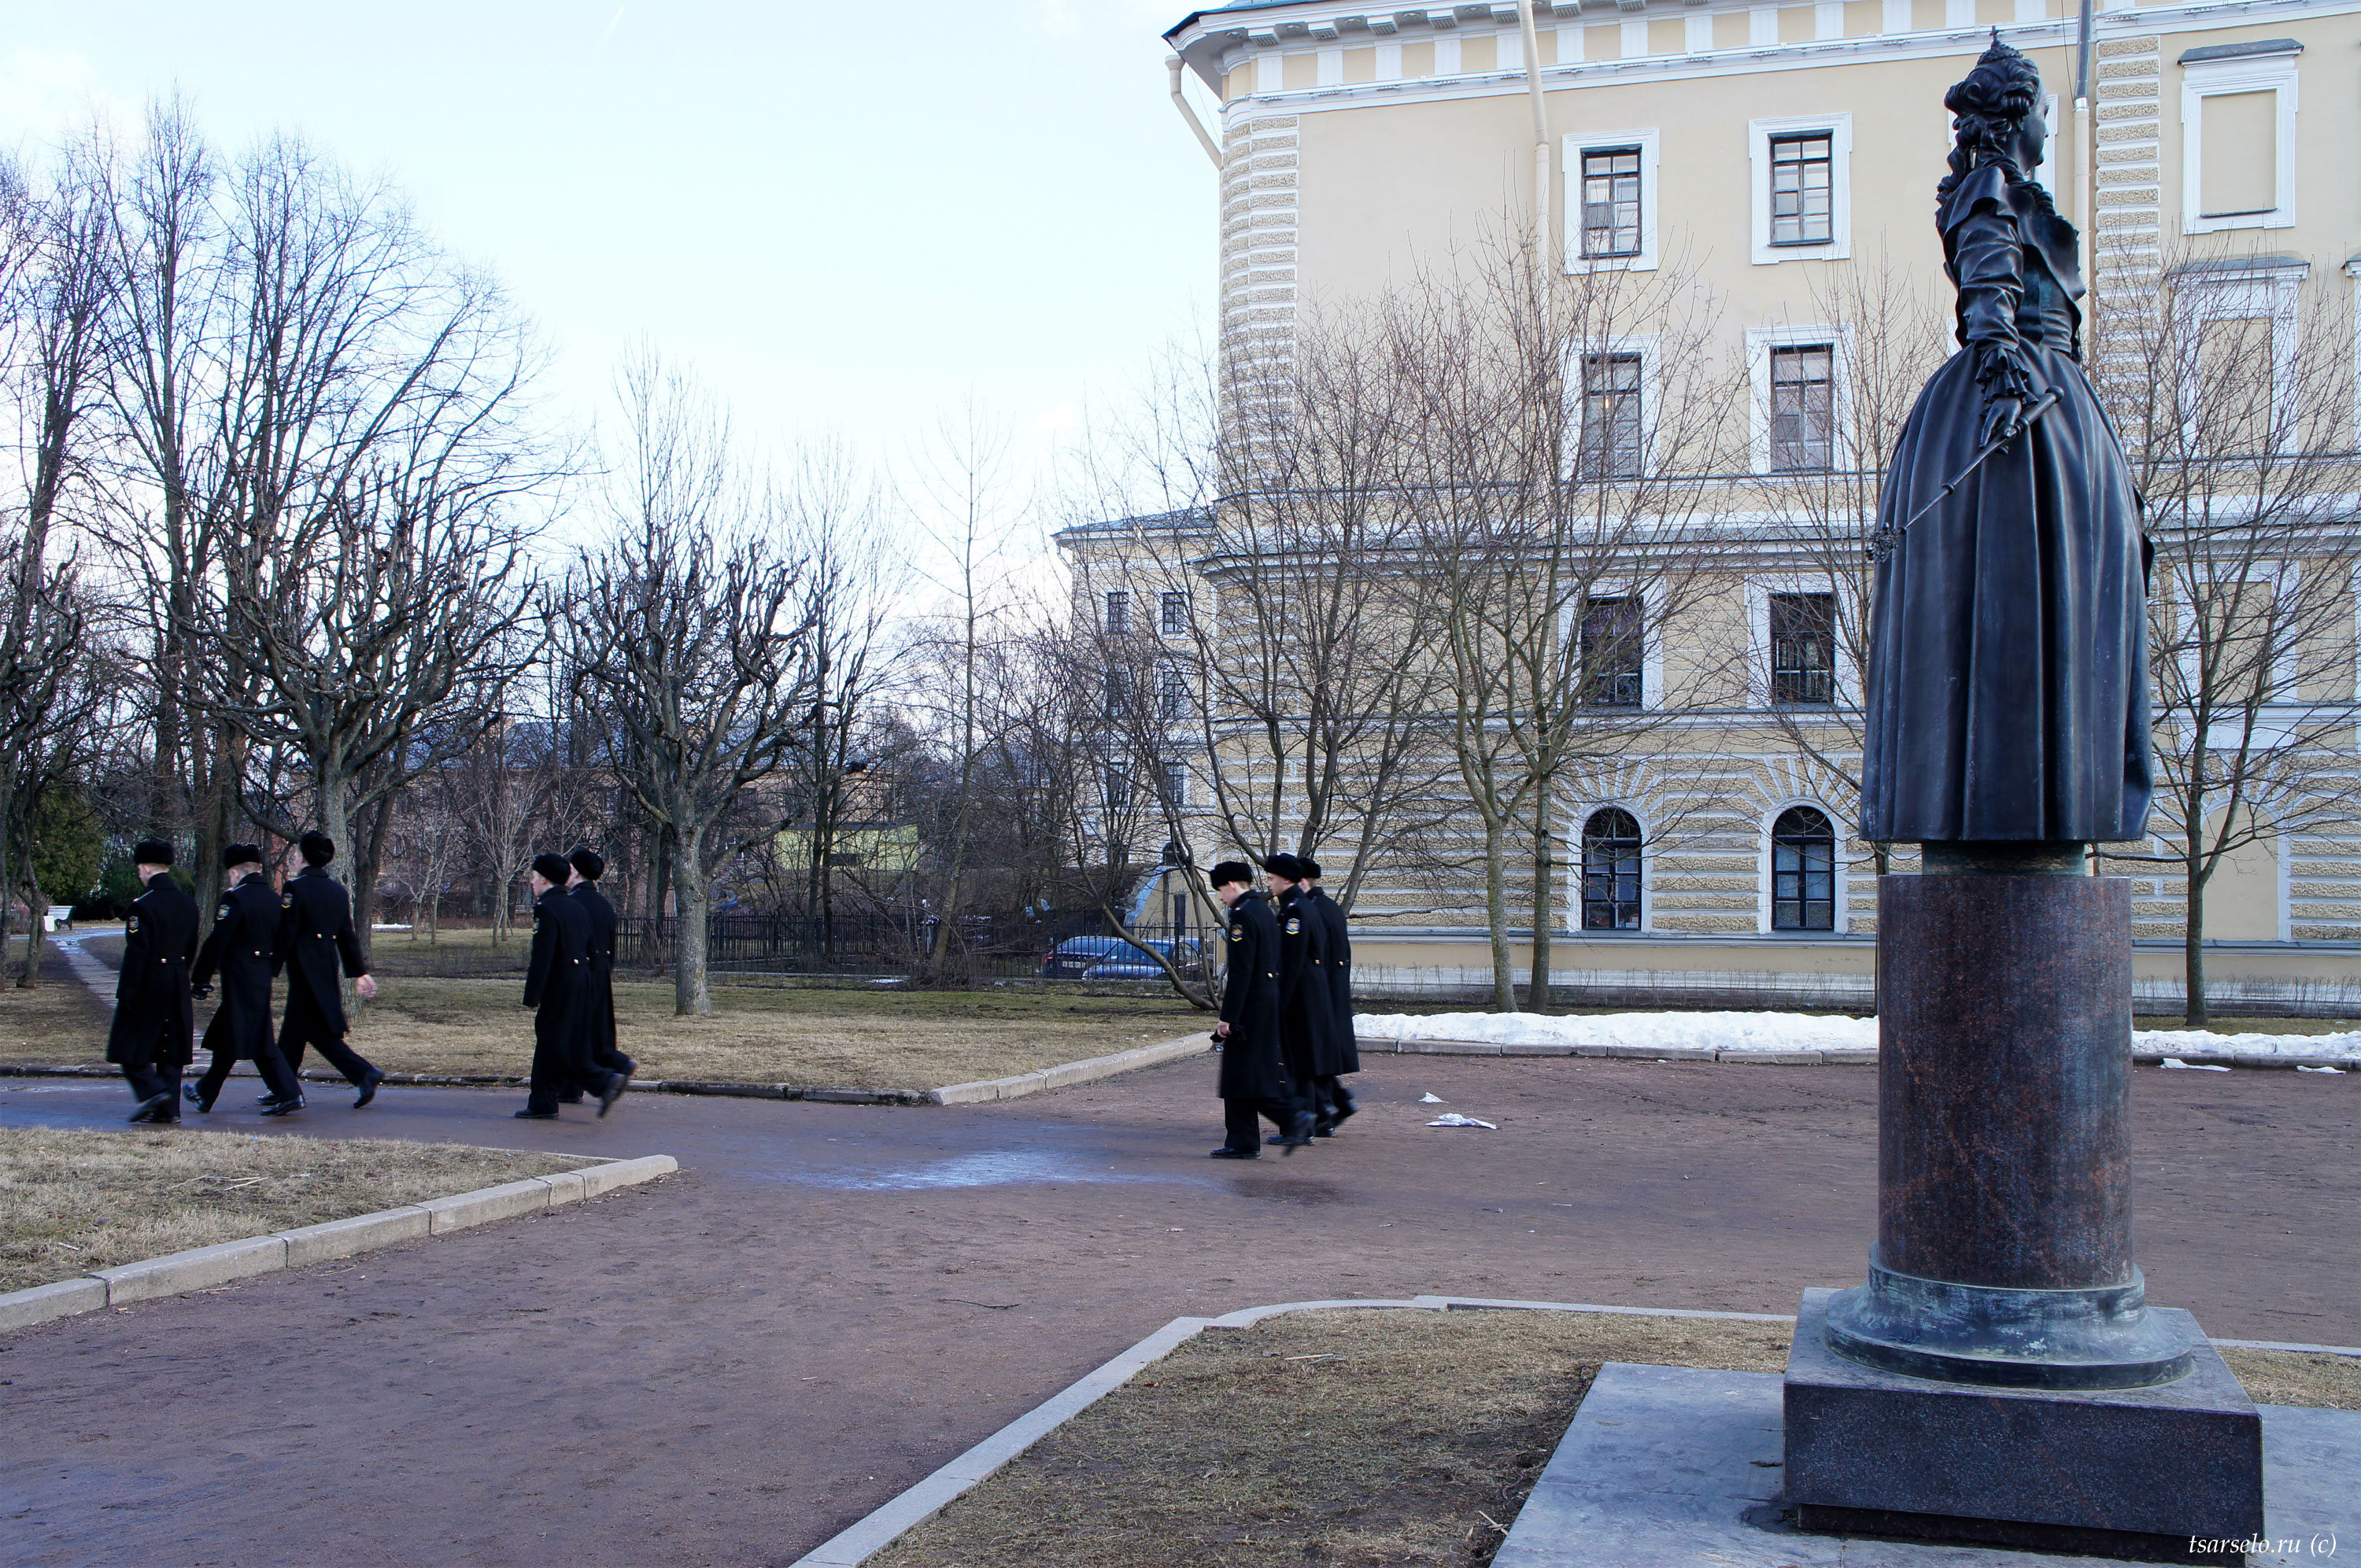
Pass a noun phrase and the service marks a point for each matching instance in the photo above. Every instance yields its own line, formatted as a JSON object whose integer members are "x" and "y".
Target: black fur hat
{"x": 237, "y": 855}
{"x": 588, "y": 863}
{"x": 151, "y": 852}
{"x": 317, "y": 847}
{"x": 552, "y": 868}
{"x": 1283, "y": 865}
{"x": 1227, "y": 872}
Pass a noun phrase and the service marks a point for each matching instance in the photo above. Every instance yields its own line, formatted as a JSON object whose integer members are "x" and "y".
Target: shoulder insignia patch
{"x": 1295, "y": 924}
{"x": 1237, "y": 933}
{"x": 131, "y": 924}
{"x": 286, "y": 900}
{"x": 222, "y": 913}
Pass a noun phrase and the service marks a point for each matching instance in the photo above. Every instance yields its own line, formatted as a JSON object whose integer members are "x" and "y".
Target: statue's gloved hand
{"x": 2003, "y": 417}
{"x": 2007, "y": 385}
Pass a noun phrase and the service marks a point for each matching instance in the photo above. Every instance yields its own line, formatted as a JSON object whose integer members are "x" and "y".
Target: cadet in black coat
{"x": 582, "y": 886}
{"x": 1307, "y": 1032}
{"x": 315, "y": 938}
{"x": 557, "y": 987}
{"x": 1254, "y": 1080}
{"x": 1336, "y": 1101}
{"x": 151, "y": 1038}
{"x": 243, "y": 949}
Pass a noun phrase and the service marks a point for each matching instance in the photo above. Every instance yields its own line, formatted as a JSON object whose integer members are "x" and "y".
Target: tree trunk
{"x": 1495, "y": 916}
{"x": 692, "y": 993}
{"x": 29, "y": 976}
{"x": 2193, "y": 950}
{"x": 368, "y": 857}
{"x": 1537, "y": 988}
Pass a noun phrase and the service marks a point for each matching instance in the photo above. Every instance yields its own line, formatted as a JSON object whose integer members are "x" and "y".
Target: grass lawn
{"x": 837, "y": 1038}
{"x": 73, "y": 1201}
{"x": 1356, "y": 1438}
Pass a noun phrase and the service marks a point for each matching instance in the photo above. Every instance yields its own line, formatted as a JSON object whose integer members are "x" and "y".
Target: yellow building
{"x": 1779, "y": 161}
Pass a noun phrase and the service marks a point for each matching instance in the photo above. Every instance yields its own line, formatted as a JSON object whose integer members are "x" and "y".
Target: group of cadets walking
{"x": 1286, "y": 1032}
{"x": 307, "y": 930}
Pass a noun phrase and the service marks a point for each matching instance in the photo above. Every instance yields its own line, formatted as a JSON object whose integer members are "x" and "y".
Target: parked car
{"x": 1112, "y": 958}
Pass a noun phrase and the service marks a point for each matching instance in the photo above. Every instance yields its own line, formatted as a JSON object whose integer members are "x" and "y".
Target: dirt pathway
{"x": 831, "y": 1300}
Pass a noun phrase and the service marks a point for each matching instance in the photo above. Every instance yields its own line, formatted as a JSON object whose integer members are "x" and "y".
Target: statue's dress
{"x": 2006, "y": 692}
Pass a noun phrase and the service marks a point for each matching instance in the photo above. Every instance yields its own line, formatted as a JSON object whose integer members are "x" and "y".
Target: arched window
{"x": 1610, "y": 871}
{"x": 1803, "y": 871}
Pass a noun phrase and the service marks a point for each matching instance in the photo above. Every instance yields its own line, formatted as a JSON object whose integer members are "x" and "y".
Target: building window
{"x": 1800, "y": 196}
{"x": 1610, "y": 871}
{"x": 1172, "y": 783}
{"x": 1118, "y": 612}
{"x": 2237, "y": 135}
{"x": 1803, "y": 649}
{"x": 1610, "y": 416}
{"x": 1803, "y": 189}
{"x": 1803, "y": 871}
{"x": 1118, "y": 693}
{"x": 1118, "y": 792}
{"x": 1172, "y": 690}
{"x": 1803, "y": 408}
{"x": 1611, "y": 201}
{"x": 1175, "y": 615}
{"x": 1612, "y": 652}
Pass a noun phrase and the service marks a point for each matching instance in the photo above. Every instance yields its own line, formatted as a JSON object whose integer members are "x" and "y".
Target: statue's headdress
{"x": 1991, "y": 104}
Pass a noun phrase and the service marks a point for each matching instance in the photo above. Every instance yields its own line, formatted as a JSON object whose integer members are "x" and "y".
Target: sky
{"x": 851, "y": 219}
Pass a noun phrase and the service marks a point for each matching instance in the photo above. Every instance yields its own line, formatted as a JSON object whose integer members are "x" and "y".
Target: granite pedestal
{"x": 2000, "y": 1376}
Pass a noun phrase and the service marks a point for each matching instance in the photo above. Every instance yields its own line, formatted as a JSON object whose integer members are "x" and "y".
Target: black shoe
{"x": 1299, "y": 1135}
{"x": 368, "y": 1088}
{"x": 1345, "y": 1110}
{"x": 536, "y": 1115}
{"x": 1275, "y": 1139}
{"x": 1225, "y": 1152}
{"x": 149, "y": 1107}
{"x": 189, "y": 1092}
{"x": 1324, "y": 1129}
{"x": 616, "y": 1084}
{"x": 284, "y": 1107}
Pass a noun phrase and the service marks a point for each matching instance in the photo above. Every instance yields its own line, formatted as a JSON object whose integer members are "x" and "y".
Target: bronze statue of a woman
{"x": 2006, "y": 692}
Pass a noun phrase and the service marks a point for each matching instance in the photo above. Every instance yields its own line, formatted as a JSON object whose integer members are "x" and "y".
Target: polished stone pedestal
{"x": 2131, "y": 1473}
{"x": 2000, "y": 1376}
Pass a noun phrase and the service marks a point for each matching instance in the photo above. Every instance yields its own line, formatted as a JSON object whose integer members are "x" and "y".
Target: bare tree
{"x": 689, "y": 644}
{"x": 2232, "y": 383}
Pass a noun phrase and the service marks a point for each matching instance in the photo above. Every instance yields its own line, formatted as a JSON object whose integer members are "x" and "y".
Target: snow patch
{"x": 1780, "y": 1033}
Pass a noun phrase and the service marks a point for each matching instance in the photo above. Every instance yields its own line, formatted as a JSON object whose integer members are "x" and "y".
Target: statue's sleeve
{"x": 1988, "y": 259}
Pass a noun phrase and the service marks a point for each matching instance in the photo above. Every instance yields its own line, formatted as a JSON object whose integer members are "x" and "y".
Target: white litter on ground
{"x": 1454, "y": 1119}
{"x": 1430, "y": 1098}
{"x": 1776, "y": 1033}
{"x": 2319, "y": 1069}
{"x": 2192, "y": 1067}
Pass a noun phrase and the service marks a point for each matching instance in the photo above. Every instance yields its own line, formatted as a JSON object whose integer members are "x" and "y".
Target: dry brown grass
{"x": 1355, "y": 1439}
{"x": 883, "y": 1039}
{"x": 71, "y": 1201}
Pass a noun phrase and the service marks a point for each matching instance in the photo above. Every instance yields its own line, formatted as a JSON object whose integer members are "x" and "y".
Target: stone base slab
{"x": 1674, "y": 1467}
{"x": 2179, "y": 1460}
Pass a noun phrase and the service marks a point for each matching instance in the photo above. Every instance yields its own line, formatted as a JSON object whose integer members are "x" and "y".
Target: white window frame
{"x": 1758, "y": 640}
{"x": 1651, "y": 646}
{"x": 1760, "y": 342}
{"x": 1840, "y": 888}
{"x": 1649, "y": 346}
{"x": 2286, "y": 578}
{"x": 1583, "y": 813}
{"x": 1574, "y": 147}
{"x": 2215, "y": 78}
{"x": 2264, "y": 287}
{"x": 1759, "y": 134}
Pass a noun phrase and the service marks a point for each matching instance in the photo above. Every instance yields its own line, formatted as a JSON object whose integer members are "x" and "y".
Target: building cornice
{"x": 1210, "y": 40}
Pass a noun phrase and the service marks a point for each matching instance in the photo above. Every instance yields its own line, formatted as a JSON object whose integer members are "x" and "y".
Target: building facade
{"x": 1778, "y": 162}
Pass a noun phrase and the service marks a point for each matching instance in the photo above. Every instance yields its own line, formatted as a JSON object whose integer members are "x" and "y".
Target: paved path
{"x": 831, "y": 1300}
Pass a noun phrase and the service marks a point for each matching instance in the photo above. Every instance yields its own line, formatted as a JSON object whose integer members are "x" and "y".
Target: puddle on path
{"x": 997, "y": 1167}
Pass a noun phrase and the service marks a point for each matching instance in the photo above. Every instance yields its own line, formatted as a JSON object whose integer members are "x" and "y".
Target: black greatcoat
{"x": 154, "y": 1019}
{"x": 557, "y": 983}
{"x": 316, "y": 935}
{"x": 2008, "y": 675}
{"x": 243, "y": 949}
{"x": 600, "y": 1004}
{"x": 1306, "y": 1007}
{"x": 1251, "y": 1067}
{"x": 1340, "y": 977}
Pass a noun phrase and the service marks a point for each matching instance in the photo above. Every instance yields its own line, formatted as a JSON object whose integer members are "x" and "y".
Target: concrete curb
{"x": 202, "y": 1268}
{"x": 882, "y": 1527}
{"x": 1786, "y": 1058}
{"x": 1059, "y": 1077}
